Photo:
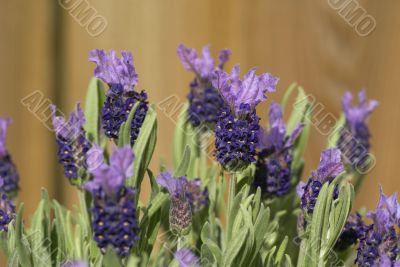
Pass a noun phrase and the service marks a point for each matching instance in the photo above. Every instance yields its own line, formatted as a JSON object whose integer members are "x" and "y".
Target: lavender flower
{"x": 121, "y": 77}
{"x": 238, "y": 125}
{"x": 354, "y": 136}
{"x": 75, "y": 264}
{"x": 186, "y": 258}
{"x": 353, "y": 230}
{"x": 114, "y": 211}
{"x": 7, "y": 210}
{"x": 205, "y": 102}
{"x": 8, "y": 171}
{"x": 274, "y": 160}
{"x": 330, "y": 166}
{"x": 72, "y": 143}
{"x": 187, "y": 197}
{"x": 380, "y": 242}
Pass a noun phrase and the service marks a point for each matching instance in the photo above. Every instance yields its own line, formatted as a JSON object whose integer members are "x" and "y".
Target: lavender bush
{"x": 238, "y": 202}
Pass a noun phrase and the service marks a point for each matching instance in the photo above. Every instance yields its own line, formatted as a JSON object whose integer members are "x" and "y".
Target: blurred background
{"x": 45, "y": 44}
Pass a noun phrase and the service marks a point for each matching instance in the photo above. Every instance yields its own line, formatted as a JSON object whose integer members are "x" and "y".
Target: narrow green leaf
{"x": 281, "y": 251}
{"x": 184, "y": 164}
{"x": 95, "y": 99}
{"x": 287, "y": 95}
{"x": 22, "y": 244}
{"x": 126, "y": 132}
{"x": 144, "y": 148}
{"x": 234, "y": 246}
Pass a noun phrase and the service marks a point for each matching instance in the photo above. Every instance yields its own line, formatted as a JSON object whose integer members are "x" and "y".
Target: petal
{"x": 300, "y": 189}
{"x": 121, "y": 161}
{"x": 330, "y": 165}
{"x": 113, "y": 70}
{"x": 293, "y": 136}
{"x": 275, "y": 114}
{"x": 205, "y": 65}
{"x": 186, "y": 258}
{"x": 94, "y": 158}
{"x": 187, "y": 57}
{"x": 223, "y": 57}
{"x": 356, "y": 114}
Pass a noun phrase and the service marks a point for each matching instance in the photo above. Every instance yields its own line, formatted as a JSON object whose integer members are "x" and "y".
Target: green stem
{"x": 231, "y": 197}
{"x": 232, "y": 190}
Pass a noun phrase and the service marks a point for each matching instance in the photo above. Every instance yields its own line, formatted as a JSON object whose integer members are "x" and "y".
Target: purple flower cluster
{"x": 7, "y": 211}
{"x": 75, "y": 264}
{"x": 187, "y": 197}
{"x": 8, "y": 171}
{"x": 351, "y": 233}
{"x": 330, "y": 166}
{"x": 238, "y": 125}
{"x": 186, "y": 258}
{"x": 121, "y": 77}
{"x": 274, "y": 160}
{"x": 354, "y": 136}
{"x": 205, "y": 103}
{"x": 380, "y": 242}
{"x": 114, "y": 211}
{"x": 72, "y": 143}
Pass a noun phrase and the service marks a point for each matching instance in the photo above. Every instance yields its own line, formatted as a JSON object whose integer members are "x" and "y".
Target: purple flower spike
{"x": 380, "y": 242}
{"x": 274, "y": 160}
{"x": 175, "y": 186}
{"x": 354, "y": 136}
{"x": 250, "y": 91}
{"x": 7, "y": 212}
{"x": 387, "y": 214}
{"x": 113, "y": 70}
{"x": 186, "y": 197}
{"x": 330, "y": 166}
{"x": 4, "y": 123}
{"x": 205, "y": 101}
{"x": 121, "y": 77}
{"x": 111, "y": 178}
{"x": 187, "y": 258}
{"x": 114, "y": 211}
{"x": 201, "y": 66}
{"x": 8, "y": 172}
{"x": 73, "y": 127}
{"x": 358, "y": 113}
{"x": 72, "y": 142}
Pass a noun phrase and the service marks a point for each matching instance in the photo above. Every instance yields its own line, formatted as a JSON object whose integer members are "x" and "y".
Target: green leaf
{"x": 287, "y": 95}
{"x": 40, "y": 232}
{"x": 125, "y": 135}
{"x": 182, "y": 168}
{"x": 144, "y": 148}
{"x": 95, "y": 99}
{"x": 281, "y": 251}
{"x": 179, "y": 142}
{"x": 234, "y": 246}
{"x": 22, "y": 244}
{"x": 316, "y": 226}
{"x": 111, "y": 259}
{"x": 299, "y": 110}
{"x": 212, "y": 246}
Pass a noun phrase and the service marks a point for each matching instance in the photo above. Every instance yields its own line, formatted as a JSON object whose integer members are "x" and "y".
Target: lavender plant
{"x": 269, "y": 217}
